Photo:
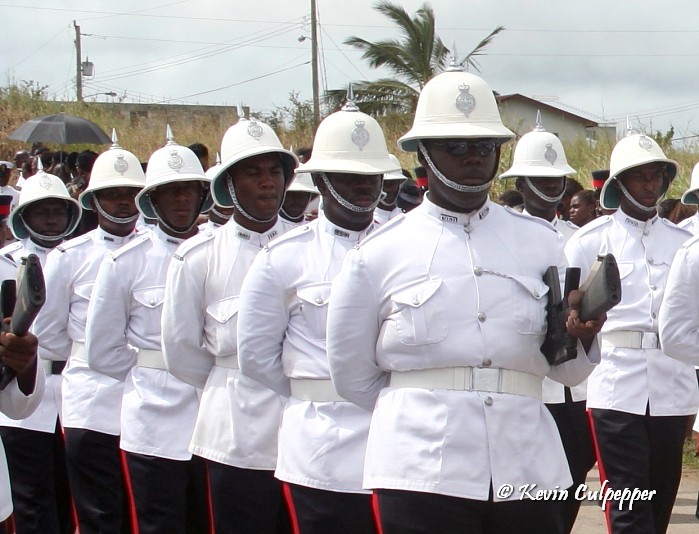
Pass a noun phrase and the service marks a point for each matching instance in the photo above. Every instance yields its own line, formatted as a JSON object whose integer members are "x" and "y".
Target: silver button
{"x": 478, "y": 271}
{"x": 481, "y": 317}
{"x": 650, "y": 260}
{"x": 646, "y": 232}
{"x": 416, "y": 301}
{"x": 536, "y": 295}
{"x": 319, "y": 300}
{"x": 152, "y": 302}
{"x": 488, "y": 401}
{"x": 486, "y": 363}
{"x": 653, "y": 287}
{"x": 653, "y": 315}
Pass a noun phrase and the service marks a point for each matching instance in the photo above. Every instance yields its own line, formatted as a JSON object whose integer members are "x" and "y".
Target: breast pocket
{"x": 417, "y": 314}
{"x": 313, "y": 306}
{"x": 221, "y": 325}
{"x": 151, "y": 300}
{"x": 528, "y": 304}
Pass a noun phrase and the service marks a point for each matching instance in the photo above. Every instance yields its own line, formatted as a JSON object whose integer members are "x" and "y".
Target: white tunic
{"x": 239, "y": 418}
{"x": 690, "y": 224}
{"x": 43, "y": 418}
{"x": 633, "y": 379}
{"x": 281, "y": 335}
{"x": 158, "y": 410}
{"x": 382, "y": 216}
{"x": 435, "y": 289}
{"x": 91, "y": 400}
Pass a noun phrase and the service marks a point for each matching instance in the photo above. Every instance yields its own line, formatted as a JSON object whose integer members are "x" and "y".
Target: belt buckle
{"x": 485, "y": 379}
{"x": 649, "y": 340}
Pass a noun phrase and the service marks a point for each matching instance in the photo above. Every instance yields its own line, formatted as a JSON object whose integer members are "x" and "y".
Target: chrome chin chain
{"x": 288, "y": 217}
{"x": 446, "y": 181}
{"x": 635, "y": 203}
{"x": 111, "y": 218}
{"x": 542, "y": 196}
{"x": 224, "y": 216}
{"x": 174, "y": 230}
{"x": 47, "y": 238}
{"x": 239, "y": 208}
{"x": 344, "y": 202}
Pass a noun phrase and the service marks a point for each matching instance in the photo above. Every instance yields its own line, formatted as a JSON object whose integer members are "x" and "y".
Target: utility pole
{"x": 314, "y": 64}
{"x": 79, "y": 71}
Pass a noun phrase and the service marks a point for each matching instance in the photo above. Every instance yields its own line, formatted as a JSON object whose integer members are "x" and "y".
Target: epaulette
{"x": 130, "y": 246}
{"x": 66, "y": 245}
{"x": 291, "y": 235}
{"x": 691, "y": 241}
{"x": 593, "y": 225}
{"x": 530, "y": 218}
{"x": 672, "y": 225}
{"x": 193, "y": 243}
{"x": 569, "y": 224}
{"x": 11, "y": 248}
{"x": 8, "y": 260}
{"x": 382, "y": 229}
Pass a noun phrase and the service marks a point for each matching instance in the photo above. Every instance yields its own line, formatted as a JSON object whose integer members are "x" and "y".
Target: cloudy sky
{"x": 606, "y": 59}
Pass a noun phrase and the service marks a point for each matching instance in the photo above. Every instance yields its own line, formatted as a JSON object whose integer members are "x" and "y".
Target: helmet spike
{"x": 241, "y": 112}
{"x": 350, "y": 104}
{"x": 39, "y": 164}
{"x": 454, "y": 65}
{"x": 169, "y": 136}
{"x": 539, "y": 126}
{"x": 115, "y": 139}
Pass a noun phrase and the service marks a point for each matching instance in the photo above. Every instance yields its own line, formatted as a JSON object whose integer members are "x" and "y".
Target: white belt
{"x": 310, "y": 389}
{"x": 631, "y": 339}
{"x": 151, "y": 358}
{"x": 492, "y": 380}
{"x": 78, "y": 353}
{"x": 229, "y": 362}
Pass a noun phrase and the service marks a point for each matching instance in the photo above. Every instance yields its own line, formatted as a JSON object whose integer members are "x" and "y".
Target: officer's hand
{"x": 584, "y": 331}
{"x": 20, "y": 355}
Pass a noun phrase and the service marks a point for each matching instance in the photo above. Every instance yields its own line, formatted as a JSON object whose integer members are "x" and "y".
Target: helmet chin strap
{"x": 111, "y": 218}
{"x": 446, "y": 181}
{"x": 224, "y": 216}
{"x": 47, "y": 238}
{"x": 344, "y": 202}
{"x": 240, "y": 209}
{"x": 542, "y": 196}
{"x": 288, "y": 217}
{"x": 633, "y": 201}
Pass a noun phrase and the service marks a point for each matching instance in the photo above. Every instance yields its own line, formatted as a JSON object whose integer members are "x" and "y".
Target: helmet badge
{"x": 46, "y": 182}
{"x": 550, "y": 154}
{"x": 121, "y": 165}
{"x": 360, "y": 135}
{"x": 255, "y": 130}
{"x": 175, "y": 161}
{"x": 465, "y": 101}
{"x": 645, "y": 142}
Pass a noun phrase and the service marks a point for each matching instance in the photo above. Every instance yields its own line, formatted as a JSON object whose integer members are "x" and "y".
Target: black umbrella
{"x": 61, "y": 129}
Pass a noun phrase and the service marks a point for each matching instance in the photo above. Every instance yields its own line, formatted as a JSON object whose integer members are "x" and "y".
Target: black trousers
{"x": 639, "y": 452}
{"x": 168, "y": 496}
{"x": 246, "y": 501}
{"x": 316, "y": 511}
{"x": 574, "y": 427}
{"x": 97, "y": 482}
{"x": 39, "y": 481}
{"x": 412, "y": 512}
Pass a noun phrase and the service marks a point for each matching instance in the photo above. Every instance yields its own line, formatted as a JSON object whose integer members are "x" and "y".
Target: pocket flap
{"x": 535, "y": 287}
{"x": 625, "y": 268}
{"x": 416, "y": 295}
{"x": 317, "y": 294}
{"x": 150, "y": 297}
{"x": 223, "y": 310}
{"x": 84, "y": 291}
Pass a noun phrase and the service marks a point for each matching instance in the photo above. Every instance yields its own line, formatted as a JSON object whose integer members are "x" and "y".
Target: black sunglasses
{"x": 460, "y": 147}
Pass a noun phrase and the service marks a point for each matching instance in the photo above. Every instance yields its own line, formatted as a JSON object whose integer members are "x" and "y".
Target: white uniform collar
{"x": 255, "y": 239}
{"x": 467, "y": 220}
{"x": 343, "y": 233}
{"x": 553, "y": 222}
{"x": 114, "y": 239}
{"x": 177, "y": 241}
{"x": 32, "y": 247}
{"x": 631, "y": 223}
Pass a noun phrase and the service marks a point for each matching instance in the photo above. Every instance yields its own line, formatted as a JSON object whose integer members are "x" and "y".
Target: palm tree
{"x": 414, "y": 59}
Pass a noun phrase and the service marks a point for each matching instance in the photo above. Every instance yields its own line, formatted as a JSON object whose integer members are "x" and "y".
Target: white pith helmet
{"x": 633, "y": 150}
{"x": 455, "y": 105}
{"x": 539, "y": 154}
{"x": 349, "y": 141}
{"x": 245, "y": 139}
{"x": 169, "y": 164}
{"x": 114, "y": 168}
{"x": 690, "y": 196}
{"x": 42, "y": 186}
{"x": 398, "y": 173}
{"x": 303, "y": 183}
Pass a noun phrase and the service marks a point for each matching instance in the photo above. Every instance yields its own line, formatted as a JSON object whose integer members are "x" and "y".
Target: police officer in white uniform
{"x": 22, "y": 394}
{"x": 44, "y": 216}
{"x": 639, "y": 398}
{"x": 91, "y": 401}
{"x": 299, "y": 195}
{"x": 392, "y": 181}
{"x": 236, "y": 429}
{"x": 123, "y": 340}
{"x": 541, "y": 167}
{"x": 690, "y": 198}
{"x": 435, "y": 324}
{"x": 217, "y": 216}
{"x": 281, "y": 329}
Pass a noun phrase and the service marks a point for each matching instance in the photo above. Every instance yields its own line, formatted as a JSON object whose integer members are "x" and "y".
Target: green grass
{"x": 689, "y": 458}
